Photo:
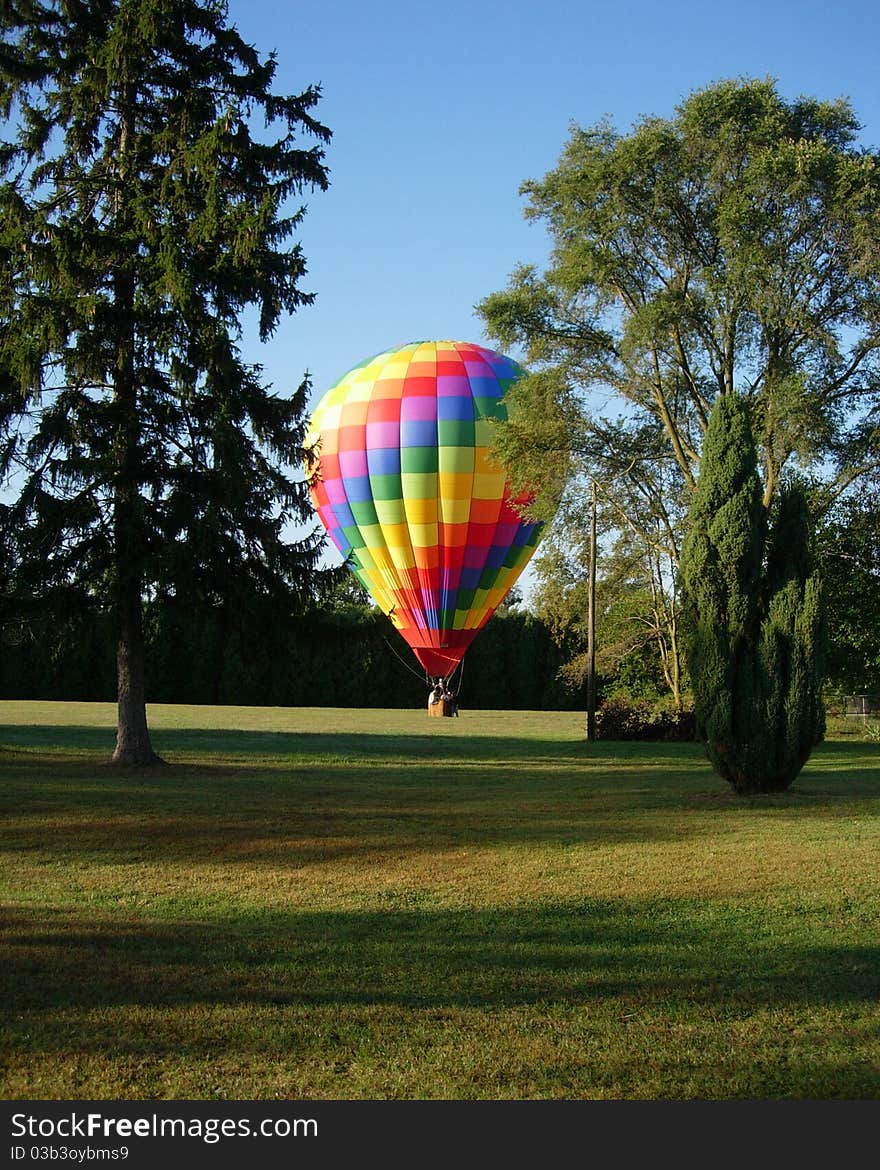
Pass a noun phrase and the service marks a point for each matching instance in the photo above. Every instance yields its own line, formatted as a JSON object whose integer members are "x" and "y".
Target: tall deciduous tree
{"x": 729, "y": 249}
{"x": 144, "y": 207}
{"x": 753, "y": 614}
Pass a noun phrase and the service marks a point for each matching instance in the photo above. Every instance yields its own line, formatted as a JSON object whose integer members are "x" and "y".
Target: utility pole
{"x": 591, "y": 623}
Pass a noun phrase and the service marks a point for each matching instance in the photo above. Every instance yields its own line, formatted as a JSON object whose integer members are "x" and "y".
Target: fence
{"x": 861, "y": 705}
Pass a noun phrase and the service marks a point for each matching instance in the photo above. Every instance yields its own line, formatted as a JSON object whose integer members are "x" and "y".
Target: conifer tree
{"x": 792, "y": 650}
{"x": 145, "y": 187}
{"x": 753, "y": 617}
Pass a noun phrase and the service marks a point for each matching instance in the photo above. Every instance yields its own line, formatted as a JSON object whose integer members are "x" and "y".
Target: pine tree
{"x": 143, "y": 209}
{"x": 753, "y": 616}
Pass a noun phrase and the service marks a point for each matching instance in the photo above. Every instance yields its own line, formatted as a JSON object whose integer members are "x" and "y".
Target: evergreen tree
{"x": 142, "y": 210}
{"x": 792, "y": 641}
{"x": 753, "y": 617}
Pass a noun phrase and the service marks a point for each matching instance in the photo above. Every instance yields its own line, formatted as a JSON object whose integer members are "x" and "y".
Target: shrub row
{"x": 619, "y": 718}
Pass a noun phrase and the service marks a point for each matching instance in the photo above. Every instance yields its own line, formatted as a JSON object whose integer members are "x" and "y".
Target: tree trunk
{"x": 675, "y": 660}
{"x": 591, "y": 624}
{"x": 132, "y": 734}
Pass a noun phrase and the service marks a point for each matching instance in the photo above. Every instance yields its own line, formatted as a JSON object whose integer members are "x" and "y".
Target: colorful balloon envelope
{"x": 401, "y": 477}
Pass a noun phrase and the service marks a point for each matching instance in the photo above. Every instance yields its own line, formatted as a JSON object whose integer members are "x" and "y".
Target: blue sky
{"x": 440, "y": 111}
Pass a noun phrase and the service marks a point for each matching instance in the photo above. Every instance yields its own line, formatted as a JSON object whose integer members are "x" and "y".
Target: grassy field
{"x": 324, "y": 904}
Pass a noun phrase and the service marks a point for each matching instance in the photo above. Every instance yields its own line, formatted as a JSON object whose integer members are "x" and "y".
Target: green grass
{"x": 370, "y": 904}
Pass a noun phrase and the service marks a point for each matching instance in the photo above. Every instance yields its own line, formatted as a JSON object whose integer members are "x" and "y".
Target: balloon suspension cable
{"x": 403, "y": 661}
{"x": 429, "y": 680}
{"x": 460, "y": 668}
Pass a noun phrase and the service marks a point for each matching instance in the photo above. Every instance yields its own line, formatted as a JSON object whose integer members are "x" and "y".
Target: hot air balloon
{"x": 401, "y": 477}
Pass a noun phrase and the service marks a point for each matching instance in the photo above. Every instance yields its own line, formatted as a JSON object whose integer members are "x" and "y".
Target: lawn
{"x": 325, "y": 904}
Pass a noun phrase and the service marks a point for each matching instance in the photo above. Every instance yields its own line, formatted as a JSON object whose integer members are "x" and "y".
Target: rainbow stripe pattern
{"x": 401, "y": 477}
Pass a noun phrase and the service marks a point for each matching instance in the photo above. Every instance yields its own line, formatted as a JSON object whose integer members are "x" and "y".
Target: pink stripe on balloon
{"x": 453, "y": 385}
{"x": 418, "y": 408}
{"x": 336, "y": 491}
{"x": 353, "y": 462}
{"x": 383, "y": 434}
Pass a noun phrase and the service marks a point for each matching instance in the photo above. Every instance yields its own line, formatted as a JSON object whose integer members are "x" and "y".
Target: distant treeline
{"x": 338, "y": 658}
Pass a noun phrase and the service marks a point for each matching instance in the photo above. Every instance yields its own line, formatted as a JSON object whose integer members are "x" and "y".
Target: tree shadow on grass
{"x": 24, "y": 739}
{"x": 360, "y": 745}
{"x": 665, "y": 996}
{"x": 284, "y": 995}
{"x": 678, "y": 952}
